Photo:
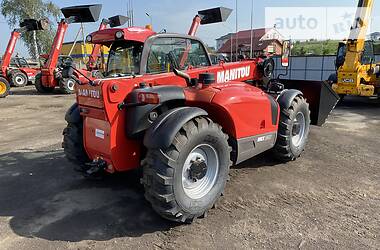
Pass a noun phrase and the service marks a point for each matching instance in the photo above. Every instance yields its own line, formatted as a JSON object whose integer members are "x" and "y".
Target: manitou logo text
{"x": 233, "y": 74}
{"x": 89, "y": 93}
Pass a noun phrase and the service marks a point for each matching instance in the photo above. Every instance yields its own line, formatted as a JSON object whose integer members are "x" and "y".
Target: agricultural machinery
{"x": 165, "y": 108}
{"x": 357, "y": 72}
{"x": 19, "y": 76}
{"x": 50, "y": 76}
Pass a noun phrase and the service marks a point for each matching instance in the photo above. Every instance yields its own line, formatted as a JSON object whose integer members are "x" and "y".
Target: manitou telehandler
{"x": 18, "y": 77}
{"x": 165, "y": 107}
{"x": 50, "y": 76}
{"x": 357, "y": 72}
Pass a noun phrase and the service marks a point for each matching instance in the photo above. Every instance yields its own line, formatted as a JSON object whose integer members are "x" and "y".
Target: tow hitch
{"x": 94, "y": 169}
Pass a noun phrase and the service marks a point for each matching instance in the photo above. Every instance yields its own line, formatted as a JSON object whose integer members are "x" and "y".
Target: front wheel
{"x": 293, "y": 130}
{"x": 4, "y": 87}
{"x": 19, "y": 79}
{"x": 40, "y": 87}
{"x": 66, "y": 85}
{"x": 184, "y": 181}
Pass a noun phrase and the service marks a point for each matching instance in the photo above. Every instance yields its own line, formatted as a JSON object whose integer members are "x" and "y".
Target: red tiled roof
{"x": 247, "y": 33}
{"x": 257, "y": 44}
{"x": 256, "y": 33}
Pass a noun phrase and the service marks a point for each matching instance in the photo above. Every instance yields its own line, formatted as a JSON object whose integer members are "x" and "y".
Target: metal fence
{"x": 317, "y": 68}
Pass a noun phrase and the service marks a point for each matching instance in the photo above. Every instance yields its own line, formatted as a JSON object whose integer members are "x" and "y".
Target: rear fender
{"x": 138, "y": 117}
{"x": 163, "y": 130}
{"x": 286, "y": 98}
{"x": 73, "y": 114}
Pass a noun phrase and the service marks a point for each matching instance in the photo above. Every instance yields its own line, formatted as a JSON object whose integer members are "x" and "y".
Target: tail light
{"x": 148, "y": 98}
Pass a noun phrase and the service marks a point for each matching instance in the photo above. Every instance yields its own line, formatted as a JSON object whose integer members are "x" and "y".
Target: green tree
{"x": 15, "y": 11}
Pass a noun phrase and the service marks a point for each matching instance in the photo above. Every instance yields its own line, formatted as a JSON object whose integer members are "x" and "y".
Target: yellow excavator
{"x": 357, "y": 73}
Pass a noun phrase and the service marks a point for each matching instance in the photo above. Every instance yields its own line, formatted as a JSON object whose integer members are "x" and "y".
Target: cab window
{"x": 368, "y": 56}
{"x": 124, "y": 59}
{"x": 168, "y": 53}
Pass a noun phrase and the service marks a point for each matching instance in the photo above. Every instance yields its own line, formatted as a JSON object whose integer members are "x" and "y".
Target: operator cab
{"x": 138, "y": 51}
{"x": 367, "y": 57}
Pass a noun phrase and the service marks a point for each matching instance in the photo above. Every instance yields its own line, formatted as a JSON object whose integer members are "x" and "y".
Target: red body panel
{"x": 107, "y": 36}
{"x": 241, "y": 109}
{"x": 99, "y": 107}
{"x": 30, "y": 72}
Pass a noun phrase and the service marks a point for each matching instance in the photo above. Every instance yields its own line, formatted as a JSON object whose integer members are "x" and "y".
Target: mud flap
{"x": 320, "y": 96}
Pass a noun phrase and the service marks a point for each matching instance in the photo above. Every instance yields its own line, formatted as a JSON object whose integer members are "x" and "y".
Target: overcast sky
{"x": 176, "y": 16}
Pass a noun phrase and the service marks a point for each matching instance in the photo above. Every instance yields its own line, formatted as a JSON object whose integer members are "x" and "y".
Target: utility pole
{"x": 251, "y": 52}
{"x": 130, "y": 13}
{"x": 237, "y": 36}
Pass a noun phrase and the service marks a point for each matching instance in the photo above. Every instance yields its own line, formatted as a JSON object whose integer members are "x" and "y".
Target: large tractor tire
{"x": 293, "y": 130}
{"x": 4, "y": 87}
{"x": 18, "y": 79}
{"x": 185, "y": 180}
{"x": 66, "y": 85}
{"x": 73, "y": 142}
{"x": 41, "y": 88}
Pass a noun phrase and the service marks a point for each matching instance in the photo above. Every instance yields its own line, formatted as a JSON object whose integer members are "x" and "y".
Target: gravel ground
{"x": 329, "y": 198}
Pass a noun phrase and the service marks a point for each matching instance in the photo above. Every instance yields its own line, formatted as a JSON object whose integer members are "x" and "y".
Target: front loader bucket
{"x": 215, "y": 15}
{"x": 320, "y": 96}
{"x": 83, "y": 13}
{"x": 117, "y": 21}
{"x": 33, "y": 24}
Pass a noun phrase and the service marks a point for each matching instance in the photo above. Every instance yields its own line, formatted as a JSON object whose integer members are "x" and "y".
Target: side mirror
{"x": 182, "y": 75}
{"x": 286, "y": 46}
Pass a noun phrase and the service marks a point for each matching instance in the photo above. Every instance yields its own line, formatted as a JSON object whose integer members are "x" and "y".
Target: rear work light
{"x": 89, "y": 39}
{"x": 148, "y": 98}
{"x": 119, "y": 34}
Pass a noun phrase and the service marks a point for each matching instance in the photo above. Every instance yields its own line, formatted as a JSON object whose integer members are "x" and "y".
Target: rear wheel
{"x": 73, "y": 144}
{"x": 184, "y": 181}
{"x": 4, "y": 87}
{"x": 19, "y": 79}
{"x": 66, "y": 85}
{"x": 293, "y": 130}
{"x": 41, "y": 88}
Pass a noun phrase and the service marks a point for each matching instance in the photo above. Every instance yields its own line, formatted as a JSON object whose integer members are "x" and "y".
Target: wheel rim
{"x": 3, "y": 88}
{"x": 70, "y": 84}
{"x": 19, "y": 80}
{"x": 298, "y": 130}
{"x": 200, "y": 171}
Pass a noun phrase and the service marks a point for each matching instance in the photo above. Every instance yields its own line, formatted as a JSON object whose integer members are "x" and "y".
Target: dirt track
{"x": 329, "y": 198}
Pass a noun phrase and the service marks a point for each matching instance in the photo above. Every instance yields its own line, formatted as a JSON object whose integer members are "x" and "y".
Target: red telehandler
{"x": 18, "y": 77}
{"x": 50, "y": 76}
{"x": 165, "y": 107}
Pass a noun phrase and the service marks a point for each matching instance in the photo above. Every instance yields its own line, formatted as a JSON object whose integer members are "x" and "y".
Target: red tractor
{"x": 165, "y": 107}
{"x": 19, "y": 76}
{"x": 50, "y": 76}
